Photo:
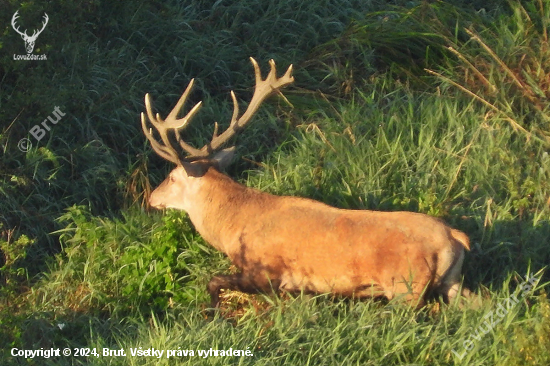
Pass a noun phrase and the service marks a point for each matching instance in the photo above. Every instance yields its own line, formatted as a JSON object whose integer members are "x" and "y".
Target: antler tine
{"x": 263, "y": 89}
{"x": 235, "y": 109}
{"x": 172, "y": 118}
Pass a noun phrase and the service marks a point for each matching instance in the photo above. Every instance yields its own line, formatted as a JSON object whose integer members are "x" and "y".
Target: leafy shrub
{"x": 130, "y": 260}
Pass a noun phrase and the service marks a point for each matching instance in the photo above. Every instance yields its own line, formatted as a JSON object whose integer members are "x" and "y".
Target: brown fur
{"x": 297, "y": 244}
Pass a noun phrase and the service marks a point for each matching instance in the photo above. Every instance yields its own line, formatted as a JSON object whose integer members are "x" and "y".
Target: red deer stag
{"x": 298, "y": 244}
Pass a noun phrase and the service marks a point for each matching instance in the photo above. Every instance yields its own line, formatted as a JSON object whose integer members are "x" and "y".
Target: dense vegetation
{"x": 427, "y": 106}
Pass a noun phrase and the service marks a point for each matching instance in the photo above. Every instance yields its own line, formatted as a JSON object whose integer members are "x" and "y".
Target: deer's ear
{"x": 224, "y": 157}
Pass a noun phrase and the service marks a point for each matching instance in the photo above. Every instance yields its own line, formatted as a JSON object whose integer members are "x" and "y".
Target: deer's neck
{"x": 219, "y": 206}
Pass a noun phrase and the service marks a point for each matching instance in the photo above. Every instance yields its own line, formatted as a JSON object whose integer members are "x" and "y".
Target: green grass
{"x": 438, "y": 108}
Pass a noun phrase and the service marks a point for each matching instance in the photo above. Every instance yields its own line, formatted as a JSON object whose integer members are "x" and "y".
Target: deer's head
{"x": 185, "y": 178}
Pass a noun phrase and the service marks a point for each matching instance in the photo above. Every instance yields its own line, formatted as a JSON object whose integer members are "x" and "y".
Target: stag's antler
{"x": 263, "y": 89}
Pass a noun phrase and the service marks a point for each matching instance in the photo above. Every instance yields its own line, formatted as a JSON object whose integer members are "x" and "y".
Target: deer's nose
{"x": 156, "y": 204}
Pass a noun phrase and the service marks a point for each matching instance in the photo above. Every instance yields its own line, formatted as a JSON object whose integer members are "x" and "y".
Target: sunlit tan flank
{"x": 297, "y": 244}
